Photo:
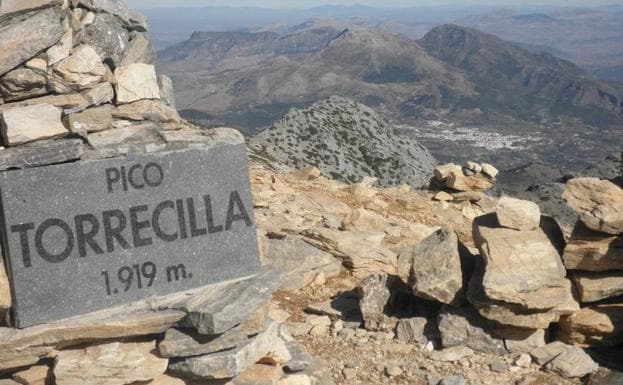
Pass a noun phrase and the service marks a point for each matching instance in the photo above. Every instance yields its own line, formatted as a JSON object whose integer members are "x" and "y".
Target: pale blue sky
{"x": 385, "y": 3}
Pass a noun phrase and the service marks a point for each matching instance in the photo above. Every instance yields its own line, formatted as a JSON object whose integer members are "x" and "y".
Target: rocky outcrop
{"x": 346, "y": 141}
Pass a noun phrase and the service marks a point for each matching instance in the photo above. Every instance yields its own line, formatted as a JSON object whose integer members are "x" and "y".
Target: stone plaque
{"x": 84, "y": 236}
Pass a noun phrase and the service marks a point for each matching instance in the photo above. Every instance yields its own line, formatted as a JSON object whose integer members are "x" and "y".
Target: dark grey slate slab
{"x": 47, "y": 152}
{"x": 79, "y": 237}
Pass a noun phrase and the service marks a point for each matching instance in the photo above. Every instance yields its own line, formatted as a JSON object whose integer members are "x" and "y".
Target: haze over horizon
{"x": 145, "y": 4}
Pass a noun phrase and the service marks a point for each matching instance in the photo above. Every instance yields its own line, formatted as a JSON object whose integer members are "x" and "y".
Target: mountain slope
{"x": 346, "y": 141}
{"x": 519, "y": 82}
{"x": 254, "y": 82}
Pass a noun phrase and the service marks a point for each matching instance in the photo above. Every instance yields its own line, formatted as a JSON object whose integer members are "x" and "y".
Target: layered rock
{"x": 600, "y": 325}
{"x": 598, "y": 203}
{"x": 113, "y": 363}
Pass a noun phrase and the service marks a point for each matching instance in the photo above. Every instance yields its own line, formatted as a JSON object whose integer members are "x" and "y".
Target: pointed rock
{"x": 35, "y": 375}
{"x": 140, "y": 50}
{"x": 108, "y": 36}
{"x": 432, "y": 268}
{"x": 374, "y": 294}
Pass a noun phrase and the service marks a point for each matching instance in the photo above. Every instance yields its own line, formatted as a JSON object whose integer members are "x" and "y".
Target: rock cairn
{"x": 506, "y": 296}
{"x": 78, "y": 82}
{"x": 594, "y": 254}
{"x": 471, "y": 177}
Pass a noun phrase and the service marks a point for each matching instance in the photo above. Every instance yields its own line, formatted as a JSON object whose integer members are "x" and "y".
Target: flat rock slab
{"x": 594, "y": 287}
{"x": 521, "y": 267}
{"x": 115, "y": 363}
{"x": 593, "y": 326}
{"x": 187, "y": 343}
{"x": 230, "y": 363}
{"x": 218, "y": 309}
{"x": 26, "y": 35}
{"x": 592, "y": 251}
{"x": 41, "y": 154}
{"x": 123, "y": 229}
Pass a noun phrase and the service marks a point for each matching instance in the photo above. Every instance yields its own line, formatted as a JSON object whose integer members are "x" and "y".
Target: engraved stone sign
{"x": 84, "y": 236}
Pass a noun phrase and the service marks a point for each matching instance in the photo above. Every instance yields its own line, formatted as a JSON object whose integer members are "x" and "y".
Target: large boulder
{"x": 599, "y": 204}
{"x": 432, "y": 268}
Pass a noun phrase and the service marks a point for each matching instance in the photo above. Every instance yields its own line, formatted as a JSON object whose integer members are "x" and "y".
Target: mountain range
{"x": 453, "y": 75}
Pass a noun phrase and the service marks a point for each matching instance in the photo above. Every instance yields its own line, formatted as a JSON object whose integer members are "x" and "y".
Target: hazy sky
{"x": 386, "y": 3}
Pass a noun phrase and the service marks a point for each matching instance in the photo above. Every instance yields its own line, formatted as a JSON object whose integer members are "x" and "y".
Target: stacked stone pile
{"x": 471, "y": 177}
{"x": 595, "y": 256}
{"x": 78, "y": 82}
{"x": 79, "y": 69}
{"x": 213, "y": 333}
{"x": 503, "y": 298}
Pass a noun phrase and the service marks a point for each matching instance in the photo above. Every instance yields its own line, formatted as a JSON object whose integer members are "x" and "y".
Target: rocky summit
{"x": 346, "y": 141}
{"x": 378, "y": 266}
